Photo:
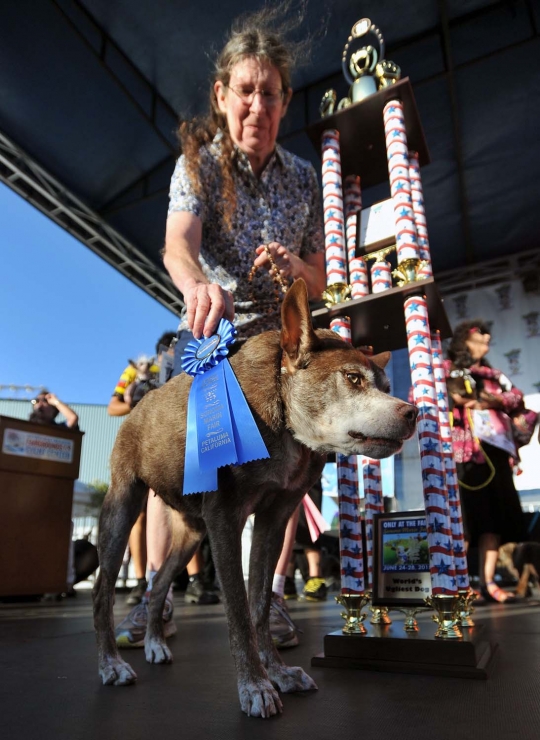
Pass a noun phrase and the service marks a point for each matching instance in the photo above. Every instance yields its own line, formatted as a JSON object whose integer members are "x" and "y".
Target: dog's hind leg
{"x": 267, "y": 541}
{"x": 187, "y": 532}
{"x": 258, "y": 697}
{"x": 120, "y": 510}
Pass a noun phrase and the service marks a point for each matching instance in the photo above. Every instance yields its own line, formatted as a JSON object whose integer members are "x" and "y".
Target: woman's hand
{"x": 206, "y": 304}
{"x": 465, "y": 401}
{"x": 286, "y": 262}
{"x": 490, "y": 401}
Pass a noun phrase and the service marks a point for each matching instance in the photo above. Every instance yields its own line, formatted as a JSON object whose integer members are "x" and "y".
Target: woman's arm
{"x": 206, "y": 302}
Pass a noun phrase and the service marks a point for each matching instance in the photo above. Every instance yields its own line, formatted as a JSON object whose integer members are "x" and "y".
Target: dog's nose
{"x": 409, "y": 412}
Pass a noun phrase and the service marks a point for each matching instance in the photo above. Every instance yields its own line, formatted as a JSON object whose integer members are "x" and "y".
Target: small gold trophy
{"x": 410, "y": 624}
{"x": 408, "y": 271}
{"x": 336, "y": 293}
{"x": 466, "y": 607}
{"x": 446, "y": 615}
{"x": 379, "y": 615}
{"x": 353, "y": 616}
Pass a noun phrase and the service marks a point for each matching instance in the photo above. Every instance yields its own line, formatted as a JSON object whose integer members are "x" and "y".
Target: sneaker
{"x": 283, "y": 630}
{"x": 137, "y": 593}
{"x": 131, "y": 631}
{"x": 290, "y": 589}
{"x": 196, "y": 593}
{"x": 315, "y": 589}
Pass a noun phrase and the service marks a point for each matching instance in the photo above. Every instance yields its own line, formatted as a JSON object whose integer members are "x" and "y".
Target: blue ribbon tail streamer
{"x": 196, "y": 480}
{"x": 247, "y": 438}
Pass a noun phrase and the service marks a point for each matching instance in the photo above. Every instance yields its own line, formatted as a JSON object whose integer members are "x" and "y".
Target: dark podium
{"x": 38, "y": 467}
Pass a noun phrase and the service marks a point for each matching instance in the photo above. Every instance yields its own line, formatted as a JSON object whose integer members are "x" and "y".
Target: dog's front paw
{"x": 156, "y": 651}
{"x": 259, "y": 698}
{"x": 117, "y": 672}
{"x": 289, "y": 679}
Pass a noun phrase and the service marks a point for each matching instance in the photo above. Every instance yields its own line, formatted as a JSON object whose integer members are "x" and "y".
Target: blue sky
{"x": 68, "y": 320}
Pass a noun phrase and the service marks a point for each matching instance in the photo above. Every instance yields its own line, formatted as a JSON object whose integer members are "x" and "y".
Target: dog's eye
{"x": 354, "y": 378}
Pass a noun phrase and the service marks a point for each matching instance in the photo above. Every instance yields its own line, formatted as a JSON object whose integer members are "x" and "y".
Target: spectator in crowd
{"x": 122, "y": 401}
{"x": 149, "y": 541}
{"x": 522, "y": 561}
{"x": 47, "y": 406}
{"x": 491, "y": 507}
{"x": 315, "y": 588}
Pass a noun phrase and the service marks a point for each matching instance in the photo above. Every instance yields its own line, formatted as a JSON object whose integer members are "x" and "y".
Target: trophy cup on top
{"x": 364, "y": 67}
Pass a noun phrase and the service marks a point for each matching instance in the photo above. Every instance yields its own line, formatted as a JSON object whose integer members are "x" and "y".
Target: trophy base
{"x": 391, "y": 649}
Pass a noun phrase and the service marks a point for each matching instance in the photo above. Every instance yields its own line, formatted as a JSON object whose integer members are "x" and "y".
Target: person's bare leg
{"x": 158, "y": 532}
{"x": 137, "y": 546}
{"x": 286, "y": 554}
{"x": 488, "y": 545}
{"x": 196, "y": 564}
{"x": 314, "y": 562}
{"x": 315, "y": 588}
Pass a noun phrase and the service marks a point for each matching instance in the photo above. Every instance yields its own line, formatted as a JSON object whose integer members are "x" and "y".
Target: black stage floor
{"x": 49, "y": 688}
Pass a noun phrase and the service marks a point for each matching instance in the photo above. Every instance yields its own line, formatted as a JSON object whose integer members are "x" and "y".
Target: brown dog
{"x": 310, "y": 393}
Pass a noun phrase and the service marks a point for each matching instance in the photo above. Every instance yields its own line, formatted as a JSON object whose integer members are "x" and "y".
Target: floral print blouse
{"x": 284, "y": 205}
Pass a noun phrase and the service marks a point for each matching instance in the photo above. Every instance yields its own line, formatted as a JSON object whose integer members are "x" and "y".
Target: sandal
{"x": 491, "y": 592}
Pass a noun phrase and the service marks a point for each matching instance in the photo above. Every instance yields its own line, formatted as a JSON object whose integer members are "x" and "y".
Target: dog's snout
{"x": 409, "y": 412}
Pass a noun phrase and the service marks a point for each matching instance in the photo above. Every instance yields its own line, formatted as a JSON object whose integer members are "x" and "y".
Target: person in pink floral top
{"x": 491, "y": 507}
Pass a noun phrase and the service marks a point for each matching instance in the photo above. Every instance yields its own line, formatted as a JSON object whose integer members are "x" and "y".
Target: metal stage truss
{"x": 38, "y": 187}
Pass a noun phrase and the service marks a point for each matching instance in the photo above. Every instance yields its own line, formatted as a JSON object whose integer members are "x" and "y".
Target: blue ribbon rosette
{"x": 221, "y": 429}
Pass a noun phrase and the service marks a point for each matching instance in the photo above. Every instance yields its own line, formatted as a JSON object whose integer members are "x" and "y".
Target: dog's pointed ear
{"x": 382, "y": 359}
{"x": 297, "y": 335}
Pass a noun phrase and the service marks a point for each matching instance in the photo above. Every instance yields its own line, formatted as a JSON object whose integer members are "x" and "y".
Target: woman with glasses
{"x": 245, "y": 217}
{"x": 491, "y": 507}
{"x": 235, "y": 191}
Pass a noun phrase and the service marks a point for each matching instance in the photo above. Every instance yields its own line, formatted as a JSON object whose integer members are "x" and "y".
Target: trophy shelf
{"x": 377, "y": 319}
{"x": 361, "y": 130}
{"x": 389, "y": 648}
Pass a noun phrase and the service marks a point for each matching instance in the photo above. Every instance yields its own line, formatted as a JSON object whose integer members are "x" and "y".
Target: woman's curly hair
{"x": 258, "y": 36}
{"x": 457, "y": 349}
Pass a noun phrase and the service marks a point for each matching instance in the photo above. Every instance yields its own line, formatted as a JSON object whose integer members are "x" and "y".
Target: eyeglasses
{"x": 271, "y": 96}
{"x": 41, "y": 399}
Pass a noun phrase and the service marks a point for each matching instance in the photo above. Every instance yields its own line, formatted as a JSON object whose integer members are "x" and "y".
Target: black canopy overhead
{"x": 91, "y": 91}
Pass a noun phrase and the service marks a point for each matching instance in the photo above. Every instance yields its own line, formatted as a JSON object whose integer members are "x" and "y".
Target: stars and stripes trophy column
{"x": 425, "y": 269}
{"x": 353, "y": 593}
{"x": 444, "y": 599}
{"x": 465, "y": 592}
{"x": 373, "y": 504}
{"x": 411, "y": 268}
{"x": 358, "y": 274}
{"x": 381, "y": 280}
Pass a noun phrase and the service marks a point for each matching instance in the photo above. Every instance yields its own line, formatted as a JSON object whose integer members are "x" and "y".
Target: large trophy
{"x": 376, "y": 136}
